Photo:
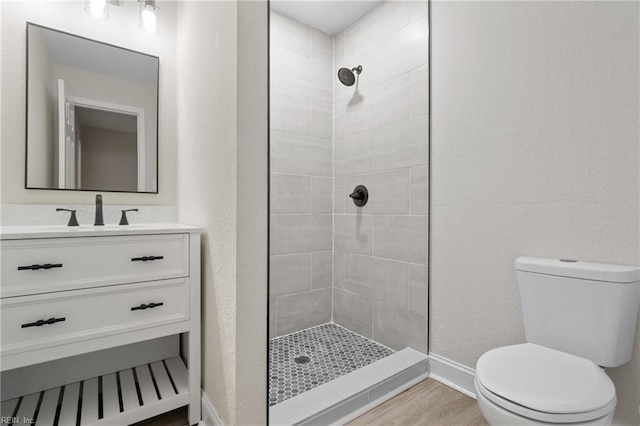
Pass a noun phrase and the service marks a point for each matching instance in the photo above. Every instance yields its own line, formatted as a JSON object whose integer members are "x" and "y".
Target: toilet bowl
{"x": 578, "y": 317}
{"x": 530, "y": 384}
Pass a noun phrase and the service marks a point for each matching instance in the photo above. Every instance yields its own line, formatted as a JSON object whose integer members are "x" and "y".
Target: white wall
{"x": 207, "y": 170}
{"x": 222, "y": 176}
{"x": 120, "y": 29}
{"x": 534, "y": 152}
{"x": 253, "y": 233}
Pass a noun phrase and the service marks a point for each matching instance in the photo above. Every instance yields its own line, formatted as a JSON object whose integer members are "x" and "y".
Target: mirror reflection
{"x": 92, "y": 115}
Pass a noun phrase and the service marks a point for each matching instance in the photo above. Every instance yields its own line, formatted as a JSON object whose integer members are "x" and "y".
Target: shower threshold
{"x": 330, "y": 375}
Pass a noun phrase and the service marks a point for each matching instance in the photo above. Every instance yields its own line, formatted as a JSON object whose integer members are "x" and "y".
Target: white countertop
{"x": 60, "y": 231}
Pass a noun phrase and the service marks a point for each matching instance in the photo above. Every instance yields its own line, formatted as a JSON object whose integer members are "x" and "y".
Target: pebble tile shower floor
{"x": 306, "y": 359}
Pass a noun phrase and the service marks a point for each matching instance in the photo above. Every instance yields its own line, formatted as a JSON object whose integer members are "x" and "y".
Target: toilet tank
{"x": 586, "y": 309}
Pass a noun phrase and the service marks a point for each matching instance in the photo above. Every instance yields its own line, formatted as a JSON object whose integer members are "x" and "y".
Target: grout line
{"x": 365, "y": 337}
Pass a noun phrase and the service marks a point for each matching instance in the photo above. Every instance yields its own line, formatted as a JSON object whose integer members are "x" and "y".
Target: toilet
{"x": 579, "y": 317}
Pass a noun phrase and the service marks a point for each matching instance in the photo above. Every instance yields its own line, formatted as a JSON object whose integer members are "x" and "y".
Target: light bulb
{"x": 99, "y": 9}
{"x": 148, "y": 17}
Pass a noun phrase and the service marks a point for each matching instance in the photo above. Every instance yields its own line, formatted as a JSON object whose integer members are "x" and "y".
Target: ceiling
{"x": 328, "y": 16}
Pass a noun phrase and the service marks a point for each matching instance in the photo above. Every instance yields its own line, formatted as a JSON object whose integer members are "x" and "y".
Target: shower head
{"x": 347, "y": 76}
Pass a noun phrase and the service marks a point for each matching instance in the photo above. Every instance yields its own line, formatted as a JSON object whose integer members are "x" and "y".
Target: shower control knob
{"x": 360, "y": 195}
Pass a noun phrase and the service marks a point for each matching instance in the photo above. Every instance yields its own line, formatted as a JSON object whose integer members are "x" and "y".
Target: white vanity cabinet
{"x": 99, "y": 325}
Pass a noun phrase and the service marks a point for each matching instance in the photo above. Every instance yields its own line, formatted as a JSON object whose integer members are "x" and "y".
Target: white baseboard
{"x": 450, "y": 373}
{"x": 209, "y": 415}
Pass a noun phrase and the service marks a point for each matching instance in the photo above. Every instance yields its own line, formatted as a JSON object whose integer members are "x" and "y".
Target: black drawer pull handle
{"x": 36, "y": 267}
{"x": 40, "y": 323}
{"x": 147, "y": 306}
{"x": 146, "y": 258}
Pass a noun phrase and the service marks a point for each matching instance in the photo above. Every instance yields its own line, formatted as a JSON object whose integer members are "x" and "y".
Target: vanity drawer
{"x": 88, "y": 314}
{"x": 48, "y": 265}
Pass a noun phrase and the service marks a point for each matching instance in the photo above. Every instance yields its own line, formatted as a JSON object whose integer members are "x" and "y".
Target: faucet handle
{"x": 123, "y": 218}
{"x": 73, "y": 220}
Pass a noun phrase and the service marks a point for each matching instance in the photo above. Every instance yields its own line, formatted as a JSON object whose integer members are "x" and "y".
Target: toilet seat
{"x": 540, "y": 383}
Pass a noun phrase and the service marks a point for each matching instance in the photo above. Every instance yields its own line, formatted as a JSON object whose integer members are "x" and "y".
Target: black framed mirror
{"x": 92, "y": 115}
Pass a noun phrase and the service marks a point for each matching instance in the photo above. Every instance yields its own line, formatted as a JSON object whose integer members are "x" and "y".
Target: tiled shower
{"x": 362, "y": 268}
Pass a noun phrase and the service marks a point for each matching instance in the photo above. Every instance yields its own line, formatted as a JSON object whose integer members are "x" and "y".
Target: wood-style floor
{"x": 427, "y": 403}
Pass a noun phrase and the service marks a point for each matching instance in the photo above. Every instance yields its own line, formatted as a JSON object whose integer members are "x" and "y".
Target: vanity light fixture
{"x": 99, "y": 9}
{"x": 148, "y": 17}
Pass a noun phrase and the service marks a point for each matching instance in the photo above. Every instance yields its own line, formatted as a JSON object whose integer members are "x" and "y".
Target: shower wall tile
{"x": 418, "y": 277}
{"x": 381, "y": 141}
{"x": 340, "y": 195}
{"x": 418, "y": 8}
{"x": 388, "y": 192}
{"x": 353, "y": 155}
{"x": 321, "y": 47}
{"x": 353, "y": 311}
{"x": 304, "y": 233}
{"x": 273, "y": 235}
{"x": 401, "y": 145}
{"x": 376, "y": 24}
{"x": 291, "y": 66}
{"x": 376, "y": 107}
{"x": 402, "y": 51}
{"x": 367, "y": 265}
{"x": 273, "y": 147}
{"x": 339, "y": 118}
{"x": 338, "y": 269}
{"x": 419, "y": 190}
{"x": 338, "y": 48}
{"x": 321, "y": 194}
{"x": 304, "y": 155}
{"x": 289, "y": 34}
{"x": 390, "y": 101}
{"x": 302, "y": 76}
{"x": 398, "y": 328}
{"x": 290, "y": 112}
{"x": 290, "y": 193}
{"x": 379, "y": 279}
{"x": 401, "y": 238}
{"x": 419, "y": 93}
{"x": 321, "y": 269}
{"x": 353, "y": 234}
{"x": 302, "y": 173}
{"x": 359, "y": 111}
{"x": 272, "y": 318}
{"x": 303, "y": 310}
{"x": 321, "y": 119}
{"x": 290, "y": 274}
{"x": 300, "y": 87}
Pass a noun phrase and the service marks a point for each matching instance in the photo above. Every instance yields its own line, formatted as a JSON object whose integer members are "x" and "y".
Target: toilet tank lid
{"x": 578, "y": 269}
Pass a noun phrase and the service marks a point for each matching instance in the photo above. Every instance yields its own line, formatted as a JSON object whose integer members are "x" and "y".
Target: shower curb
{"x": 353, "y": 394}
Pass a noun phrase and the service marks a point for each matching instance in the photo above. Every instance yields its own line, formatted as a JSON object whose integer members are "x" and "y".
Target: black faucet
{"x": 99, "y": 220}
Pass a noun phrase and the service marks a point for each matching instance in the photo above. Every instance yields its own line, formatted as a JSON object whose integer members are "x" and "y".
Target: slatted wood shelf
{"x": 118, "y": 398}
